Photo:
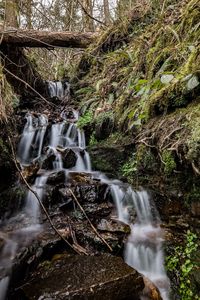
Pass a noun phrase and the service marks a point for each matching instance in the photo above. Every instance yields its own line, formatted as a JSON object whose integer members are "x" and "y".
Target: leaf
{"x": 166, "y": 79}
{"x": 98, "y": 85}
{"x": 142, "y": 81}
{"x": 192, "y": 83}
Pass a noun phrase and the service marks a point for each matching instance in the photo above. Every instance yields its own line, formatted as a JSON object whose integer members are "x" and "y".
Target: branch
{"x": 26, "y": 84}
{"x": 87, "y": 13}
{"x": 94, "y": 229}
{"x": 77, "y": 248}
{"x": 196, "y": 170}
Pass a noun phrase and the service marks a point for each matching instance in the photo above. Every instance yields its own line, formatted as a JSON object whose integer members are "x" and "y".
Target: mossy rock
{"x": 11, "y": 200}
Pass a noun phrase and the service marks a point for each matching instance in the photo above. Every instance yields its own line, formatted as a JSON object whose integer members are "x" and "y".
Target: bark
{"x": 88, "y": 21}
{"x": 107, "y": 17}
{"x": 29, "y": 14}
{"x": 46, "y": 39}
{"x": 11, "y": 12}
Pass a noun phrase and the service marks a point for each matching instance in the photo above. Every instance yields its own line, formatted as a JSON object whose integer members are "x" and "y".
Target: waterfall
{"x": 32, "y": 208}
{"x": 58, "y": 89}
{"x": 30, "y": 146}
{"x": 143, "y": 250}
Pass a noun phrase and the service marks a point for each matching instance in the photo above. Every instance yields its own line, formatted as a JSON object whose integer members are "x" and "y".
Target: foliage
{"x": 129, "y": 168}
{"x": 182, "y": 264}
{"x": 93, "y": 141}
{"x": 85, "y": 120}
{"x": 8, "y": 100}
{"x": 169, "y": 162}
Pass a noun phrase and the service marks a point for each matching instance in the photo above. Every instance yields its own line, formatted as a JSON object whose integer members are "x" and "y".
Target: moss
{"x": 194, "y": 194}
{"x": 193, "y": 140}
{"x": 169, "y": 162}
{"x": 146, "y": 161}
{"x": 85, "y": 120}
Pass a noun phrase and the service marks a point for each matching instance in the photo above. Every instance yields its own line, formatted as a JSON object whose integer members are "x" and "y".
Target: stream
{"x": 41, "y": 139}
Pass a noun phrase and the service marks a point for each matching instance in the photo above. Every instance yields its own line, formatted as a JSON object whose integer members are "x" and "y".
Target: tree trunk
{"x": 11, "y": 13}
{"x": 88, "y": 22}
{"x": 29, "y": 14}
{"x": 45, "y": 39}
{"x": 106, "y": 9}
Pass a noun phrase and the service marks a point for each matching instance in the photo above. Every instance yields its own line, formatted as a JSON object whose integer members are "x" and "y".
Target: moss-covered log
{"x": 46, "y": 39}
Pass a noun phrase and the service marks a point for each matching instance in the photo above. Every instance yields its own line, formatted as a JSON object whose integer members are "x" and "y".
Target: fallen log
{"x": 45, "y": 39}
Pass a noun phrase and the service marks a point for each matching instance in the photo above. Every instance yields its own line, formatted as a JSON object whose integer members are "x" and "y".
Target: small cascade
{"x": 31, "y": 143}
{"x": 58, "y": 89}
{"x": 32, "y": 209}
{"x": 143, "y": 251}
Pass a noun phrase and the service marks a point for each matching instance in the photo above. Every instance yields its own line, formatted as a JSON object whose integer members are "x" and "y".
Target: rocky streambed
{"x": 70, "y": 247}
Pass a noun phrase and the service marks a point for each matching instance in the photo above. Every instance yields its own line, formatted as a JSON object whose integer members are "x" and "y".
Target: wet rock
{"x": 108, "y": 160}
{"x": 113, "y": 226}
{"x": 87, "y": 237}
{"x": 29, "y": 172}
{"x": 69, "y": 158}
{"x": 96, "y": 211}
{"x": 80, "y": 177}
{"x": 56, "y": 177}
{"x": 48, "y": 161}
{"x": 85, "y": 277}
{"x": 93, "y": 192}
{"x": 151, "y": 291}
{"x": 11, "y": 200}
{"x": 195, "y": 208}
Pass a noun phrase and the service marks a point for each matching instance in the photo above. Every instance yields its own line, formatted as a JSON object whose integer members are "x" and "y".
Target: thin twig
{"x": 96, "y": 232}
{"x": 74, "y": 247}
{"x": 89, "y": 15}
{"x": 18, "y": 78}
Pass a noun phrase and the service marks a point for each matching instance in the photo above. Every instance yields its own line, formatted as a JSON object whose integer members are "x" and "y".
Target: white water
{"x": 58, "y": 89}
{"x": 144, "y": 247}
{"x": 32, "y": 208}
{"x": 30, "y": 146}
{"x": 143, "y": 250}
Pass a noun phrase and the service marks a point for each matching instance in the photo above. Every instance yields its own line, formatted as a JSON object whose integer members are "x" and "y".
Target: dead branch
{"x": 92, "y": 226}
{"x": 89, "y": 15}
{"x": 77, "y": 248}
{"x": 28, "y": 85}
{"x": 196, "y": 170}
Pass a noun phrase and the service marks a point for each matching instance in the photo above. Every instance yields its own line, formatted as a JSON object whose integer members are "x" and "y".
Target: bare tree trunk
{"x": 29, "y": 14}
{"x": 11, "y": 13}
{"x": 88, "y": 22}
{"x": 107, "y": 17}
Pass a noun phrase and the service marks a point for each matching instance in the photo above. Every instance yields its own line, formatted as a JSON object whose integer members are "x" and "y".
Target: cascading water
{"x": 58, "y": 89}
{"x": 30, "y": 146}
{"x": 144, "y": 247}
{"x": 143, "y": 250}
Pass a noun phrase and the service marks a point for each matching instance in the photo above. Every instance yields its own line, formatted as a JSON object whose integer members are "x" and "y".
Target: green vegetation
{"x": 85, "y": 120}
{"x": 182, "y": 263}
{"x": 129, "y": 168}
{"x": 142, "y": 78}
{"x": 168, "y": 161}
